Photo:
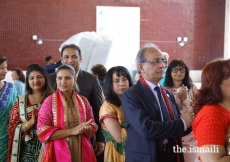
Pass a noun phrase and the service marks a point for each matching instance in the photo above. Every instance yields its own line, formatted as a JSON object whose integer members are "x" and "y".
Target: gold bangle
{"x": 27, "y": 125}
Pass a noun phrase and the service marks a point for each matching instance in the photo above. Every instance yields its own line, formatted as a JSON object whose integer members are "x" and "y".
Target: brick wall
{"x": 162, "y": 21}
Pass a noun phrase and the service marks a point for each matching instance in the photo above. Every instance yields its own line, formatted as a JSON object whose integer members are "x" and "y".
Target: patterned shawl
{"x": 22, "y": 146}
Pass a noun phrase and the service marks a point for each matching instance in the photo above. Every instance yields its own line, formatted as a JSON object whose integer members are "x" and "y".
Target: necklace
{"x": 37, "y": 100}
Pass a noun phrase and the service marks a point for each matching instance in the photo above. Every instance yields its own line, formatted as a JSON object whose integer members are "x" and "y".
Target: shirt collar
{"x": 151, "y": 85}
{"x": 77, "y": 73}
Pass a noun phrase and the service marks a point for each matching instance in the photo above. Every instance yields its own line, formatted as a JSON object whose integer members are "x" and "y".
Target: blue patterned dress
{"x": 8, "y": 96}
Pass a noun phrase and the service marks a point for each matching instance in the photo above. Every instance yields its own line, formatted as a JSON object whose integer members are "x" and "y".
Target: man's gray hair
{"x": 165, "y": 54}
{"x": 140, "y": 55}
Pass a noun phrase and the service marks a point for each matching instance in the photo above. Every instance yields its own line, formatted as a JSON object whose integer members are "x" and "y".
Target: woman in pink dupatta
{"x": 66, "y": 123}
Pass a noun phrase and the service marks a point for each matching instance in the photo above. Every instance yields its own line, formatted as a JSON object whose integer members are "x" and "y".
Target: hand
{"x": 188, "y": 117}
{"x": 99, "y": 147}
{"x": 94, "y": 125}
{"x": 34, "y": 117}
{"x": 81, "y": 128}
{"x": 85, "y": 130}
{"x": 86, "y": 127}
{"x": 182, "y": 93}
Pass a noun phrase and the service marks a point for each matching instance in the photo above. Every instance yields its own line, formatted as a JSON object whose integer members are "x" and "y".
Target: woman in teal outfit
{"x": 8, "y": 96}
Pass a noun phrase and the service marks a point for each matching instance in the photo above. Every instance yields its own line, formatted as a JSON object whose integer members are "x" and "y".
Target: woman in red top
{"x": 212, "y": 108}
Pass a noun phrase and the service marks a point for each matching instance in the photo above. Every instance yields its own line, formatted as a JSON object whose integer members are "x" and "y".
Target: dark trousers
{"x": 100, "y": 158}
{"x": 168, "y": 155}
{"x": 167, "y": 152}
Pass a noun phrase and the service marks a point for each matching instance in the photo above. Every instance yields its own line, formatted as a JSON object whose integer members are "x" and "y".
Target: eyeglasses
{"x": 175, "y": 70}
{"x": 157, "y": 61}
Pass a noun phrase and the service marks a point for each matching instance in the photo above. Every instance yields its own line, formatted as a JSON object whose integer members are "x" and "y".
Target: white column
{"x": 227, "y": 31}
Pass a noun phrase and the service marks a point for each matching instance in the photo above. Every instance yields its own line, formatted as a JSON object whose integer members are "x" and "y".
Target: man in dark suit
{"x": 89, "y": 88}
{"x": 154, "y": 126}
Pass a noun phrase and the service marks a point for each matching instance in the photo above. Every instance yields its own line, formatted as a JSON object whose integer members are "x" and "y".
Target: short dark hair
{"x": 187, "y": 81}
{"x": 2, "y": 59}
{"x": 47, "y": 90}
{"x": 20, "y": 74}
{"x": 71, "y": 46}
{"x": 99, "y": 70}
{"x": 48, "y": 58}
{"x": 109, "y": 93}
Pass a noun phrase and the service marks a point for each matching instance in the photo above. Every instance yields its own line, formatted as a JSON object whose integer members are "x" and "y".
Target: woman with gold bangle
{"x": 23, "y": 141}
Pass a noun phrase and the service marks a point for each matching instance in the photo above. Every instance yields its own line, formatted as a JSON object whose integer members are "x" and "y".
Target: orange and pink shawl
{"x": 53, "y": 116}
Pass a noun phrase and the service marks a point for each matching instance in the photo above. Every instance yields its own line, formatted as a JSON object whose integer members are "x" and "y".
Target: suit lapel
{"x": 80, "y": 78}
{"x": 149, "y": 95}
{"x": 152, "y": 98}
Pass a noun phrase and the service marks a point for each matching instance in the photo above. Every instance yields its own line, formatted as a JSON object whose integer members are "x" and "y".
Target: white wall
{"x": 123, "y": 24}
{"x": 196, "y": 77}
{"x": 227, "y": 30}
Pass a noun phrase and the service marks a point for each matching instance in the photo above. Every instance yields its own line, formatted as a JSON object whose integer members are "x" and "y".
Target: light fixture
{"x": 39, "y": 41}
{"x": 34, "y": 37}
{"x": 182, "y": 40}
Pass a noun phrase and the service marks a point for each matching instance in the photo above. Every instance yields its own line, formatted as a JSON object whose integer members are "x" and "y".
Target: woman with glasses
{"x": 178, "y": 81}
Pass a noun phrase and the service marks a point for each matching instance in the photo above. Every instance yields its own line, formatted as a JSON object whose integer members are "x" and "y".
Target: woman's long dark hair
{"x": 110, "y": 95}
{"x": 20, "y": 74}
{"x": 211, "y": 78}
{"x": 47, "y": 90}
{"x": 187, "y": 81}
